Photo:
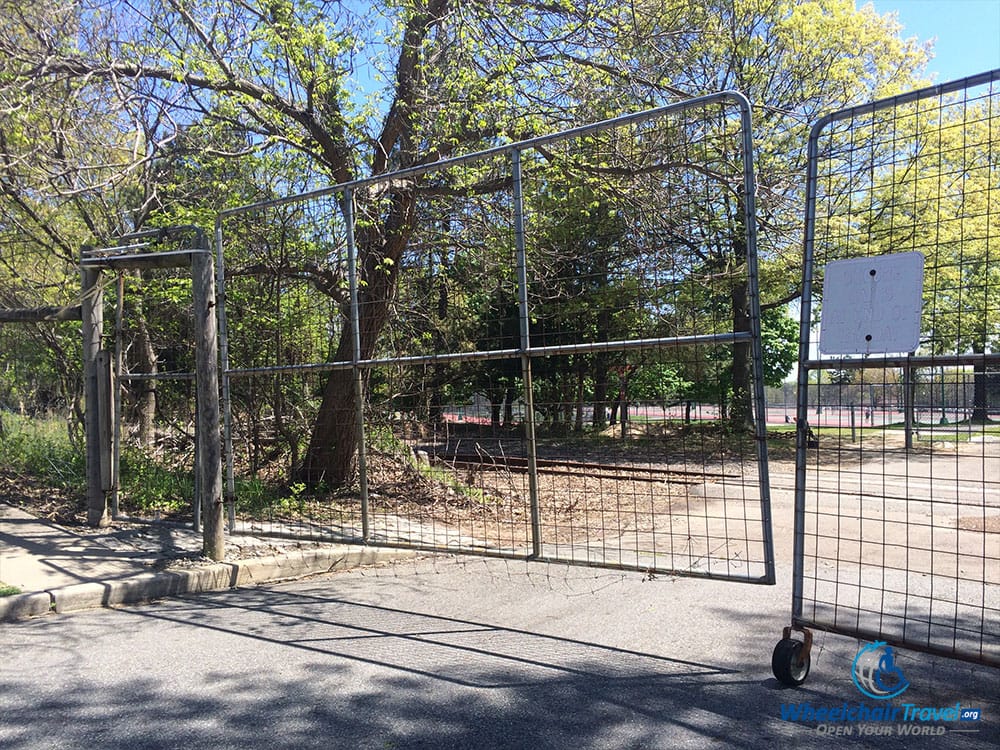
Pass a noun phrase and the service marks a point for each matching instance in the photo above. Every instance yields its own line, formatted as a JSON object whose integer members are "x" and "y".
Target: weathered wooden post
{"x": 93, "y": 329}
{"x": 209, "y": 447}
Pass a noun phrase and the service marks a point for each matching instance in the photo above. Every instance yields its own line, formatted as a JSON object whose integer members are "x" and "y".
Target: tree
{"x": 359, "y": 90}
{"x": 788, "y": 57}
{"x": 934, "y": 191}
{"x": 58, "y": 187}
{"x": 287, "y": 74}
{"x": 586, "y": 286}
{"x": 779, "y": 345}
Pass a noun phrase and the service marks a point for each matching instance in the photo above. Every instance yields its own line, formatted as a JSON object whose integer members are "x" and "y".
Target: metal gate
{"x": 559, "y": 358}
{"x": 897, "y": 492}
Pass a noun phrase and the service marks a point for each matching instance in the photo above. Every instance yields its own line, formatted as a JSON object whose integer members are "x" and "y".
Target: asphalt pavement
{"x": 453, "y": 652}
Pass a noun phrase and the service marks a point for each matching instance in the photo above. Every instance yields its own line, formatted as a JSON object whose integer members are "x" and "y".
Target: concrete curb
{"x": 22, "y": 606}
{"x": 217, "y": 577}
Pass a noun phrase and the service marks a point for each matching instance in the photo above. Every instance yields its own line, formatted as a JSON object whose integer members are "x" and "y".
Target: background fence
{"x": 898, "y": 462}
{"x": 549, "y": 350}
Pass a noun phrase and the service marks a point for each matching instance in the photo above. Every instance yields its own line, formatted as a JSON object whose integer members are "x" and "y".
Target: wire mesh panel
{"x": 637, "y": 245}
{"x": 550, "y": 349}
{"x": 285, "y": 282}
{"x": 898, "y": 483}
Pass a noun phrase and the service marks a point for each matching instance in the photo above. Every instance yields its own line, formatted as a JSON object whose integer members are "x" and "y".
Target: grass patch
{"x": 781, "y": 438}
{"x": 44, "y": 450}
{"x": 145, "y": 484}
{"x": 960, "y": 432}
{"x": 943, "y": 437}
{"x": 6, "y": 590}
{"x": 446, "y": 477}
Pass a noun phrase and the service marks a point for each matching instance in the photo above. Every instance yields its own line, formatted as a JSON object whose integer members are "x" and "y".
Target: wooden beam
{"x": 41, "y": 314}
{"x": 169, "y": 259}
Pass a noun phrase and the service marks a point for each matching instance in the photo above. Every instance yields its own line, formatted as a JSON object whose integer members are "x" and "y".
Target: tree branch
{"x": 408, "y": 77}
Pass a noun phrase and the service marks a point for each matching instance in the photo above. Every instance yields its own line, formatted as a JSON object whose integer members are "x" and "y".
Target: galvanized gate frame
{"x": 791, "y": 657}
{"x": 527, "y": 352}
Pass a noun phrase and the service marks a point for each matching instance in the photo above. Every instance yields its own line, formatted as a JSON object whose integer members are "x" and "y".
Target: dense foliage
{"x": 117, "y": 117}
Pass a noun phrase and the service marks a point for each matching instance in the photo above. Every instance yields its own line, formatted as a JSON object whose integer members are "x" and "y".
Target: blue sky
{"x": 967, "y": 32}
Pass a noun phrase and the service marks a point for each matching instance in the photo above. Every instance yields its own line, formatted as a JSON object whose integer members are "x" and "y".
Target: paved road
{"x": 448, "y": 653}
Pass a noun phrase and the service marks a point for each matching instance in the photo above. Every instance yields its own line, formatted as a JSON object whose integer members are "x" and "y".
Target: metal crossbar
{"x": 155, "y": 248}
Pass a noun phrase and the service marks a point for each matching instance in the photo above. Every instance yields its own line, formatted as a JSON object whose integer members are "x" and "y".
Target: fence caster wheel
{"x": 790, "y": 659}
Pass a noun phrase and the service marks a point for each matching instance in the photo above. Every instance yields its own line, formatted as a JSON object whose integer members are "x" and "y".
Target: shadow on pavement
{"x": 320, "y": 664}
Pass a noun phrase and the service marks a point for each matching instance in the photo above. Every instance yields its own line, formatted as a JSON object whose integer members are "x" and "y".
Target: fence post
{"x": 227, "y": 411}
{"x": 347, "y": 206}
{"x": 93, "y": 328}
{"x": 908, "y": 404}
{"x": 525, "y": 334}
{"x": 209, "y": 444}
{"x": 106, "y": 417}
{"x": 116, "y": 397}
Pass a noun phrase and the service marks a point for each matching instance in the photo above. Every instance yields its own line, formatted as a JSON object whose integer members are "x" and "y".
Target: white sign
{"x": 872, "y": 305}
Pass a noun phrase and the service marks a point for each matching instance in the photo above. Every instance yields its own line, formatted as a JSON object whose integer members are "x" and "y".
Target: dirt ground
{"x": 679, "y": 505}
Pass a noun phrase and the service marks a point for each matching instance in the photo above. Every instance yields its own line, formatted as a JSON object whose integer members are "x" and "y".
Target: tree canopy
{"x": 117, "y": 116}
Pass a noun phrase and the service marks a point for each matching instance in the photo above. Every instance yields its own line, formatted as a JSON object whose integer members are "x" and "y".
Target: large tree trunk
{"x": 334, "y": 441}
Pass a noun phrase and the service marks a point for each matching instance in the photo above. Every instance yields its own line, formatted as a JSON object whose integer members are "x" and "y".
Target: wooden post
{"x": 209, "y": 449}
{"x": 93, "y": 328}
{"x": 106, "y": 419}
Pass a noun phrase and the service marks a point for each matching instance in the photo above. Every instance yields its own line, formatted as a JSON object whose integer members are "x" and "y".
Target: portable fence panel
{"x": 898, "y": 489}
{"x": 551, "y": 350}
